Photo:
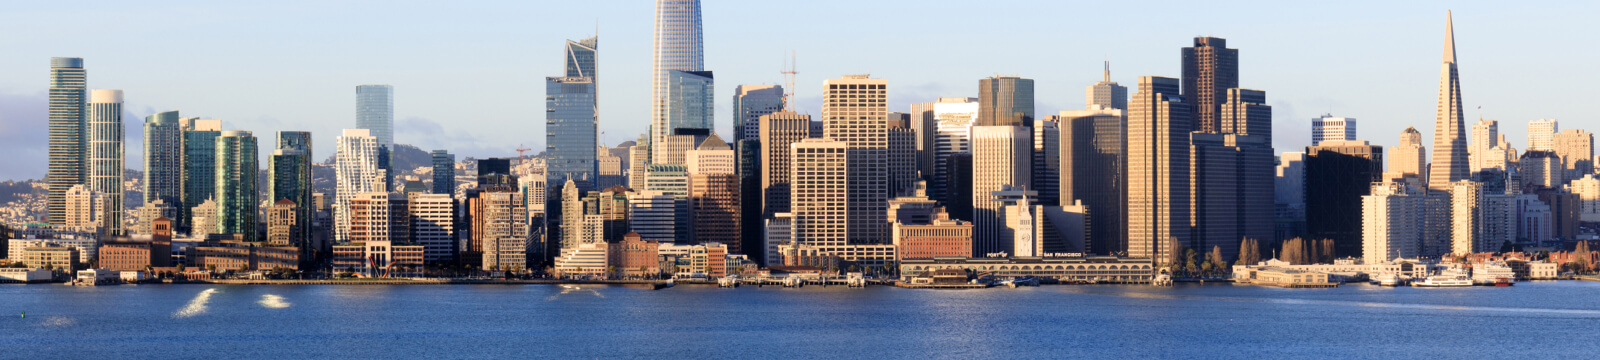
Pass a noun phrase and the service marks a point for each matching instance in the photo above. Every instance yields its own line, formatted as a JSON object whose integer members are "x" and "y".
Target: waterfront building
{"x": 501, "y": 228}
{"x": 163, "y": 158}
{"x": 1391, "y": 222}
{"x": 855, "y": 111}
{"x": 677, "y": 47}
{"x": 1541, "y": 134}
{"x": 237, "y": 195}
{"x": 444, "y": 172}
{"x": 1005, "y": 101}
{"x": 103, "y": 140}
{"x": 953, "y": 118}
{"x": 1210, "y": 68}
{"x": 1576, "y": 149}
{"x": 939, "y": 236}
{"x": 633, "y": 257}
{"x": 433, "y": 226}
{"x": 1449, "y": 138}
{"x": 1002, "y": 159}
{"x": 199, "y": 166}
{"x": 1159, "y": 124}
{"x": 777, "y": 132}
{"x": 1094, "y": 268}
{"x": 68, "y": 133}
{"x": 1106, "y": 94}
{"x": 1094, "y": 170}
{"x": 778, "y": 231}
{"x": 750, "y": 102}
{"x": 1329, "y": 128}
{"x": 50, "y": 256}
{"x": 283, "y": 223}
{"x": 377, "y": 258}
{"x": 1341, "y": 172}
{"x": 583, "y": 260}
{"x": 136, "y": 253}
{"x": 357, "y": 170}
{"x": 820, "y": 172}
{"x": 570, "y": 130}
{"x": 380, "y": 216}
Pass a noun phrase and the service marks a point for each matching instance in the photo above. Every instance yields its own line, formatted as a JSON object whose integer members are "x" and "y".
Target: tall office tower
{"x": 1246, "y": 113}
{"x": 433, "y": 226}
{"x": 68, "y": 91}
{"x": 953, "y": 119}
{"x": 1158, "y": 169}
{"x": 1564, "y": 208}
{"x": 1449, "y": 138}
{"x": 1002, "y": 158}
{"x": 751, "y": 229}
{"x": 1094, "y": 169}
{"x": 1541, "y": 134}
{"x": 1329, "y": 128}
{"x": 820, "y": 193}
{"x": 238, "y": 174}
{"x": 1391, "y": 222}
{"x": 1232, "y": 179}
{"x": 688, "y": 107}
{"x": 1106, "y": 94}
{"x": 1499, "y": 220}
{"x": 1005, "y": 101}
{"x": 1576, "y": 148}
{"x": 199, "y": 165}
{"x": 163, "y": 158}
{"x": 1289, "y": 196}
{"x": 444, "y": 172}
{"x": 750, "y": 102}
{"x": 609, "y": 169}
{"x": 653, "y": 215}
{"x": 779, "y": 130}
{"x": 291, "y": 179}
{"x": 503, "y": 221}
{"x": 375, "y": 112}
{"x": 922, "y": 123}
{"x": 713, "y": 156}
{"x": 582, "y": 57}
{"x": 902, "y": 154}
{"x": 678, "y": 46}
{"x": 1408, "y": 157}
{"x": 1541, "y": 168}
{"x": 356, "y": 167}
{"x": 1341, "y": 172}
{"x": 959, "y": 186}
{"x": 1210, "y": 68}
{"x": 570, "y": 130}
{"x": 714, "y": 202}
{"x": 1047, "y": 161}
{"x": 1466, "y": 218}
{"x": 1485, "y": 136}
{"x": 105, "y": 153}
{"x": 856, "y": 112}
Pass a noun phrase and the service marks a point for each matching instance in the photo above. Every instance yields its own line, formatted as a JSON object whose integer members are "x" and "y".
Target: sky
{"x": 468, "y": 76}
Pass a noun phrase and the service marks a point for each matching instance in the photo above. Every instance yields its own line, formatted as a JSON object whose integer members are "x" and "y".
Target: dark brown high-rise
{"x": 1210, "y": 68}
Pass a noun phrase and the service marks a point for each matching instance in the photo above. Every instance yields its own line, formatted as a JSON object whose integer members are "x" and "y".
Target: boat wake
{"x": 273, "y": 302}
{"x": 57, "y": 321}
{"x": 1366, "y": 304}
{"x": 567, "y": 289}
{"x": 196, "y": 306}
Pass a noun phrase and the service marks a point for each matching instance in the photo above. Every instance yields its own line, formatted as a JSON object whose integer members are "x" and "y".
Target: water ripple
{"x": 196, "y": 306}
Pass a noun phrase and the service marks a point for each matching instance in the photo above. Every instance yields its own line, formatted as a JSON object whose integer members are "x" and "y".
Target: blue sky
{"x": 468, "y": 76}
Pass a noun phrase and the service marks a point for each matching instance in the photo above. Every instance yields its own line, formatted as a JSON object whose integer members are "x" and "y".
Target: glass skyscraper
{"x": 570, "y": 130}
{"x": 375, "y": 112}
{"x": 582, "y": 56}
{"x": 291, "y": 179}
{"x": 199, "y": 164}
{"x": 678, "y": 46}
{"x": 67, "y": 92}
{"x": 444, "y": 172}
{"x": 106, "y": 153}
{"x": 689, "y": 100}
{"x": 163, "y": 158}
{"x": 237, "y": 172}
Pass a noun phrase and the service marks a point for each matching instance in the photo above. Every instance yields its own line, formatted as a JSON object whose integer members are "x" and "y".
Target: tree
{"x": 611, "y": 270}
{"x": 180, "y": 267}
{"x": 211, "y": 268}
{"x": 1174, "y": 255}
{"x": 644, "y": 271}
{"x": 1249, "y": 252}
{"x": 1215, "y": 259}
{"x": 1327, "y": 254}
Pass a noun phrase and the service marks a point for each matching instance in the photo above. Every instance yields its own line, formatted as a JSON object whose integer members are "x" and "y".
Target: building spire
{"x": 1108, "y": 71}
{"x": 1449, "y": 39}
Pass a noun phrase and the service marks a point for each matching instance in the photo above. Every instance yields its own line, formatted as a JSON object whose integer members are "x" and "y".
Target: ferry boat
{"x": 1445, "y": 279}
{"x": 1493, "y": 274}
{"x": 1389, "y": 279}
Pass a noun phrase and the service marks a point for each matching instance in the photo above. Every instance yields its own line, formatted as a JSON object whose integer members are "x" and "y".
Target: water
{"x": 1541, "y": 320}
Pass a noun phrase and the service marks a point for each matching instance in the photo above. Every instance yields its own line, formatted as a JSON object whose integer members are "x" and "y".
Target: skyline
{"x": 431, "y": 97}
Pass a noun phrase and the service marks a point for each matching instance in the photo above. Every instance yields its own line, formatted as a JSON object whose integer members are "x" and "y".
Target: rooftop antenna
{"x": 788, "y": 91}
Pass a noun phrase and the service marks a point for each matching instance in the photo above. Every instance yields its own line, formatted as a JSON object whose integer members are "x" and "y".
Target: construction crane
{"x": 522, "y": 149}
{"x": 788, "y": 92}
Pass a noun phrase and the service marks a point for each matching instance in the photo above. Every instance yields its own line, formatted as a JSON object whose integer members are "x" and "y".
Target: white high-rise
{"x": 1541, "y": 134}
{"x": 1391, "y": 223}
{"x": 1485, "y": 136}
{"x": 1002, "y": 159}
{"x": 1408, "y": 157}
{"x": 856, "y": 111}
{"x": 1588, "y": 191}
{"x": 1329, "y": 128}
{"x": 1466, "y": 218}
{"x": 953, "y": 118}
{"x": 433, "y": 225}
{"x": 819, "y": 192}
{"x": 105, "y": 152}
{"x": 356, "y": 172}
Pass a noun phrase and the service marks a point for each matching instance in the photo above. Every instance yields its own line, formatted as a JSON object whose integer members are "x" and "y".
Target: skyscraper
{"x": 749, "y": 103}
{"x": 953, "y": 119}
{"x": 291, "y": 179}
{"x": 1047, "y": 161}
{"x": 68, "y": 154}
{"x": 750, "y": 198}
{"x": 1246, "y": 113}
{"x": 1094, "y": 169}
{"x": 1329, "y": 128}
{"x": 1210, "y": 68}
{"x": 678, "y": 46}
{"x": 1337, "y": 175}
{"x": 1391, "y": 223}
{"x": 570, "y": 130}
{"x": 199, "y": 166}
{"x": 444, "y": 172}
{"x": 237, "y": 176}
{"x": 105, "y": 148}
{"x": 1002, "y": 158}
{"x": 1408, "y": 157}
{"x": 1106, "y": 94}
{"x": 902, "y": 154}
{"x": 356, "y": 171}
{"x": 1005, "y": 101}
{"x": 582, "y": 57}
{"x": 1576, "y": 148}
{"x": 1449, "y": 138}
{"x": 163, "y": 158}
{"x": 688, "y": 106}
{"x": 1541, "y": 134}
{"x": 1485, "y": 136}
{"x": 778, "y": 131}
{"x": 1158, "y": 169}
{"x": 856, "y": 112}
{"x": 1231, "y": 191}
{"x": 375, "y": 112}
{"x": 820, "y": 192}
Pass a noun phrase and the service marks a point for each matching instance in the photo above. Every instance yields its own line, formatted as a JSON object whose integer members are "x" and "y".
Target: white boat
{"x": 730, "y": 281}
{"x": 1445, "y": 279}
{"x": 1389, "y": 279}
{"x": 1495, "y": 273}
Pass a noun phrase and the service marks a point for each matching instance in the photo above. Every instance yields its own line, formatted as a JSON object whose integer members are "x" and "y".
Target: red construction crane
{"x": 522, "y": 149}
